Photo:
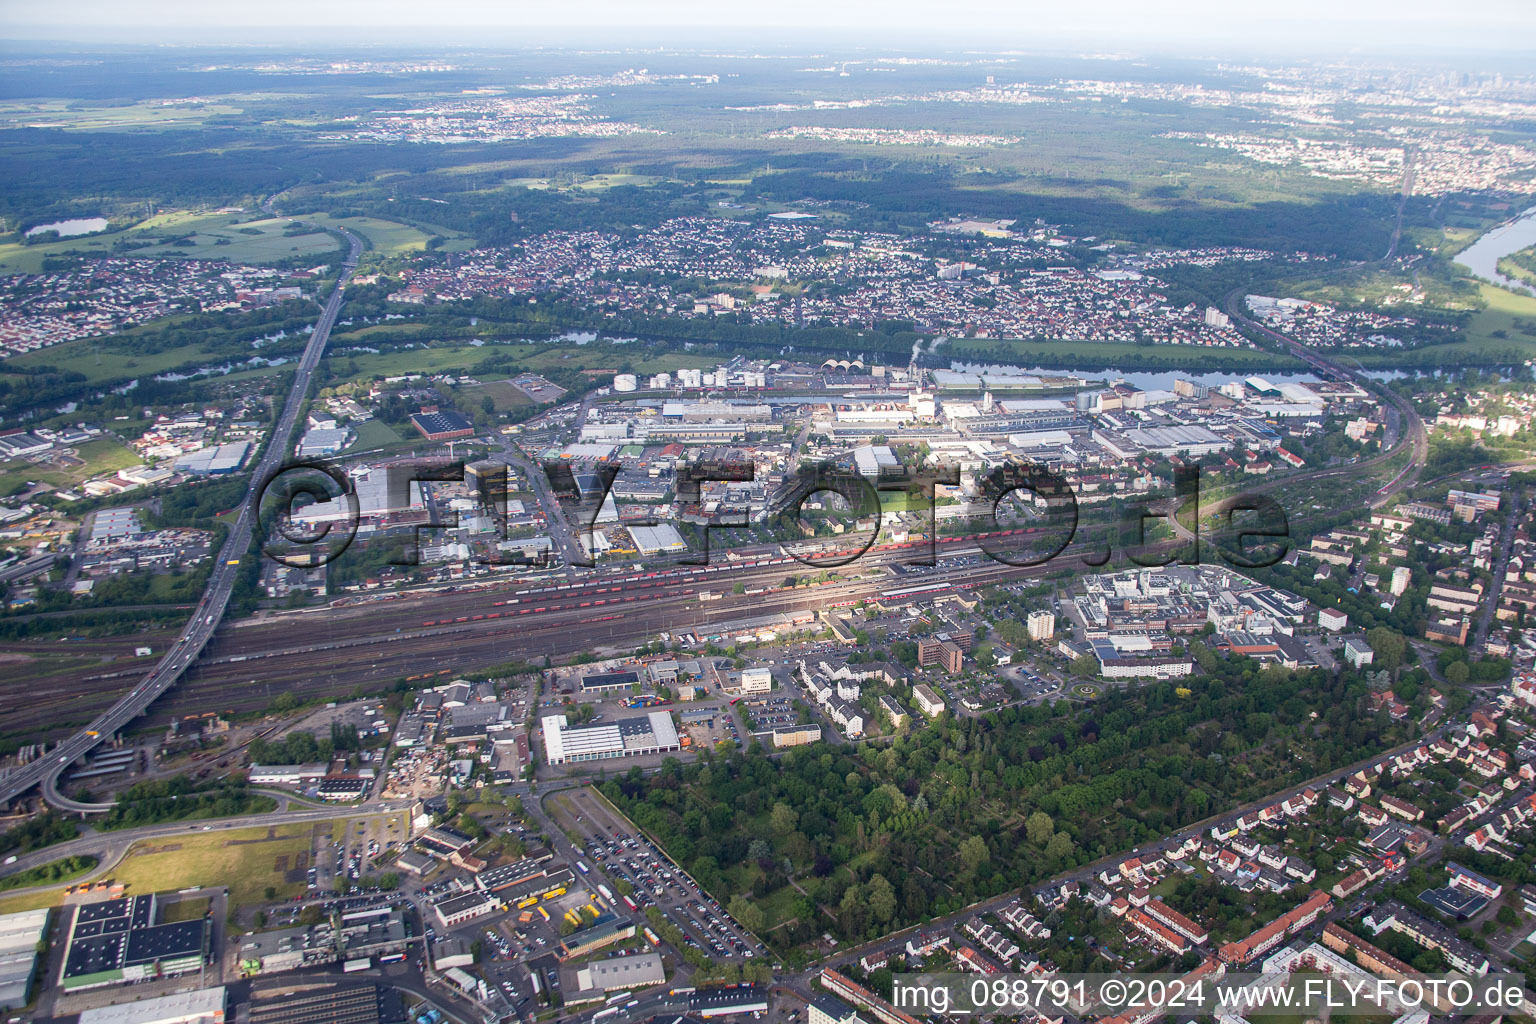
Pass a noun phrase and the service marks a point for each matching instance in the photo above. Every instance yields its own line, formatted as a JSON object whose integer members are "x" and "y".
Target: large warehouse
{"x": 652, "y": 733}
{"x": 19, "y": 935}
{"x": 442, "y": 426}
{"x": 199, "y": 1006}
{"x": 118, "y": 941}
{"x": 661, "y": 539}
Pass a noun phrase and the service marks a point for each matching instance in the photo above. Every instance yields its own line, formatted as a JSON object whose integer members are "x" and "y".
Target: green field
{"x": 75, "y": 116}
{"x": 444, "y": 357}
{"x": 1091, "y": 355}
{"x": 373, "y": 434}
{"x": 1504, "y": 331}
{"x": 435, "y": 359}
{"x": 502, "y": 392}
{"x": 98, "y": 364}
{"x": 237, "y": 237}
{"x": 103, "y": 455}
{"x": 388, "y": 238}
{"x": 246, "y": 860}
{"x": 1510, "y": 268}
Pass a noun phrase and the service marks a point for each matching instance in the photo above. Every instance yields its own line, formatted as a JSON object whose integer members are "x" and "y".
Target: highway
{"x": 376, "y": 643}
{"x": 45, "y": 771}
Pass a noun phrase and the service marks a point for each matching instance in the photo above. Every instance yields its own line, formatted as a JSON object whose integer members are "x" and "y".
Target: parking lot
{"x": 767, "y": 712}
{"x": 351, "y": 848}
{"x": 622, "y": 852}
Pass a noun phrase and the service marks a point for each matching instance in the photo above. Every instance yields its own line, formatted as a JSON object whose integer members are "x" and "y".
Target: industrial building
{"x": 604, "y": 682}
{"x": 661, "y": 539}
{"x": 604, "y": 931}
{"x": 442, "y": 426}
{"x": 464, "y": 907}
{"x": 621, "y": 972}
{"x": 652, "y": 733}
{"x": 219, "y": 460}
{"x": 322, "y": 441}
{"x": 345, "y": 1004}
{"x": 199, "y": 1006}
{"x": 19, "y": 936}
{"x": 118, "y": 941}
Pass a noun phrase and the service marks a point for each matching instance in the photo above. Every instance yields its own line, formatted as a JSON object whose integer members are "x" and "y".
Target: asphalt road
{"x": 210, "y": 609}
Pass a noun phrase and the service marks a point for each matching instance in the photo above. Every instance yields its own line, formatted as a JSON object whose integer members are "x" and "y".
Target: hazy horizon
{"x": 1190, "y": 28}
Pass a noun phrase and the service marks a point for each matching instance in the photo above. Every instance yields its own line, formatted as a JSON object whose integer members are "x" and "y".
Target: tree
{"x": 1039, "y": 828}
{"x": 973, "y": 852}
{"x": 783, "y": 819}
{"x": 1388, "y": 645}
{"x": 747, "y": 914}
{"x": 1060, "y": 847}
{"x": 881, "y": 898}
{"x": 1457, "y": 672}
{"x": 1085, "y": 665}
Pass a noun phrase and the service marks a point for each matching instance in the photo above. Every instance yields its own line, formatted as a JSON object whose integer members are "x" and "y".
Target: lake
{"x": 71, "y": 228}
{"x": 1482, "y": 256}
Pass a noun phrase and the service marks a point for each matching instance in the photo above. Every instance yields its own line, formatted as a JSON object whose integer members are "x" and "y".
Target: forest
{"x": 859, "y": 842}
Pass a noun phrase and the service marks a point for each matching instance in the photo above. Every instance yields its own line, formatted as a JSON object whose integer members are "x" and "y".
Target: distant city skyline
{"x": 1188, "y": 26}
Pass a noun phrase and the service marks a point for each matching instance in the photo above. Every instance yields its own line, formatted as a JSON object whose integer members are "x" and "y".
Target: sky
{"x": 1193, "y": 25}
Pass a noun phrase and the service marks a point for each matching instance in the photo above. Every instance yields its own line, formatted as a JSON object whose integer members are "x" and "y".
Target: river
{"x": 1482, "y": 256}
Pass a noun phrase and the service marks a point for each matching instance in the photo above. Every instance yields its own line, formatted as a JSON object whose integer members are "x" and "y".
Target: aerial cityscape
{"x": 661, "y": 515}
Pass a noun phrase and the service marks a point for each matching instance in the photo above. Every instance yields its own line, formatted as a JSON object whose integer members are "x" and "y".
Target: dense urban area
{"x": 601, "y": 537}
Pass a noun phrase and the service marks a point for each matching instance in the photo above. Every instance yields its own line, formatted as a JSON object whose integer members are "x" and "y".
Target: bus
{"x": 390, "y": 958}
{"x": 652, "y": 938}
{"x": 582, "y": 867}
{"x": 607, "y": 893}
{"x": 361, "y": 964}
{"x": 529, "y": 902}
{"x": 630, "y": 903}
{"x": 544, "y": 913}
